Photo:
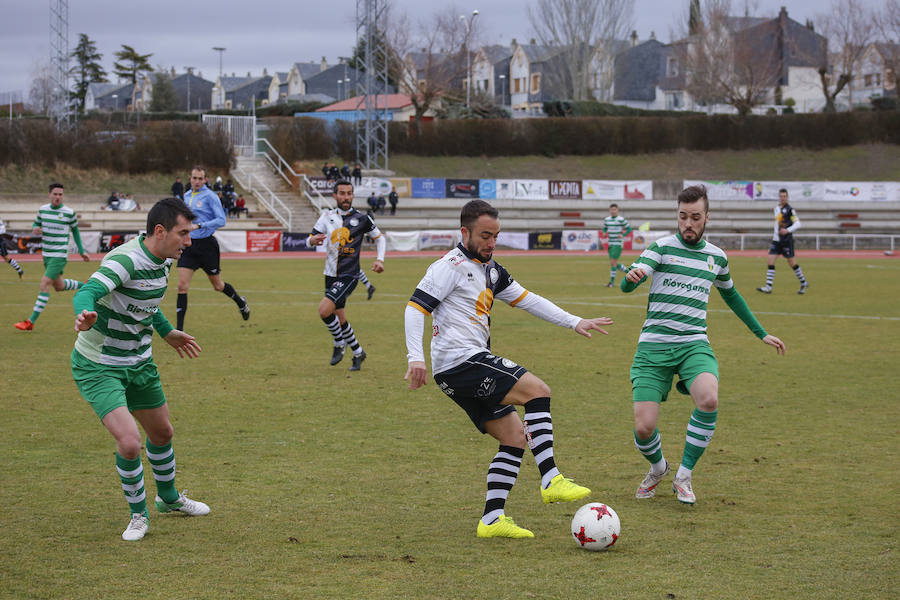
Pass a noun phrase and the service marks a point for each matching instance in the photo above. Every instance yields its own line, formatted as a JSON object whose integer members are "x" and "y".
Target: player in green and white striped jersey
{"x": 673, "y": 339}
{"x": 54, "y": 223}
{"x": 616, "y": 227}
{"x": 117, "y": 311}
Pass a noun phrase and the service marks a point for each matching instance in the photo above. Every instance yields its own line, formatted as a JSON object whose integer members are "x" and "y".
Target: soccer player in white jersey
{"x": 343, "y": 229}
{"x": 54, "y": 223}
{"x": 458, "y": 291}
{"x": 673, "y": 339}
{"x": 786, "y": 223}
{"x": 116, "y": 313}
{"x": 5, "y": 254}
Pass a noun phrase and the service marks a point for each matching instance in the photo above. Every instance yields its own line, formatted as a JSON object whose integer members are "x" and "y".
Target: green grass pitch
{"x": 327, "y": 484}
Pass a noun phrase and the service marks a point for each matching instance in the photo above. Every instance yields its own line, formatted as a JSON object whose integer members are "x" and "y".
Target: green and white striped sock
{"x": 700, "y": 430}
{"x": 39, "y": 305}
{"x": 131, "y": 472}
{"x": 651, "y": 448}
{"x": 162, "y": 461}
{"x": 71, "y": 284}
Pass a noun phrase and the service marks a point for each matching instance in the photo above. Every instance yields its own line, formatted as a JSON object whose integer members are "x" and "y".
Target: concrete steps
{"x": 304, "y": 215}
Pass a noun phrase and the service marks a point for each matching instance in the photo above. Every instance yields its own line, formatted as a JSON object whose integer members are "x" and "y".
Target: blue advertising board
{"x": 487, "y": 188}
{"x": 426, "y": 187}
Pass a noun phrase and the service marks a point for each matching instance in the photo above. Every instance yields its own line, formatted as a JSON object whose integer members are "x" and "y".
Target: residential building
{"x": 399, "y": 107}
{"x": 240, "y": 92}
{"x": 536, "y": 76}
{"x": 874, "y": 76}
{"x": 490, "y": 72}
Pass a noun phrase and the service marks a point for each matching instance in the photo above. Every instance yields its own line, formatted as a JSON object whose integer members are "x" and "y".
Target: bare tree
{"x": 849, "y": 29}
{"x": 583, "y": 30}
{"x": 887, "y": 23}
{"x": 40, "y": 93}
{"x": 434, "y": 56}
{"x": 726, "y": 62}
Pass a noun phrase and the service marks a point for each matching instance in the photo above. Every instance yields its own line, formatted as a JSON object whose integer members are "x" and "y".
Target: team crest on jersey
{"x": 508, "y": 363}
{"x": 354, "y": 222}
{"x": 710, "y": 262}
{"x": 495, "y": 275}
{"x": 340, "y": 236}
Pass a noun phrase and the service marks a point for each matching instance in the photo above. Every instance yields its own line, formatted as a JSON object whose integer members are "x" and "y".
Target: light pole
{"x": 220, "y": 50}
{"x": 189, "y": 71}
{"x": 339, "y": 82}
{"x": 468, "y": 55}
{"x": 503, "y": 88}
{"x": 115, "y": 98}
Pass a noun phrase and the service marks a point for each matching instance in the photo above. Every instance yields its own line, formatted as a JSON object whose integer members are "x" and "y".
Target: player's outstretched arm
{"x": 585, "y": 326}
{"x": 416, "y": 374}
{"x": 778, "y": 344}
{"x": 183, "y": 343}
{"x": 633, "y": 278}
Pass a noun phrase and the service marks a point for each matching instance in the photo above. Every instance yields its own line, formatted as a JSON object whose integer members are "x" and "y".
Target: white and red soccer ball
{"x": 595, "y": 526}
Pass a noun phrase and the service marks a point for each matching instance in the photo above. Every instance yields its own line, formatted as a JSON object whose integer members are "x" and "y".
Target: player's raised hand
{"x": 585, "y": 325}
{"x": 183, "y": 343}
{"x": 416, "y": 374}
{"x": 85, "y": 320}
{"x": 635, "y": 275}
{"x": 774, "y": 341}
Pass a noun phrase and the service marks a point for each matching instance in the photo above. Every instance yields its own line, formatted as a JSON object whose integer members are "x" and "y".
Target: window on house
{"x": 674, "y": 100}
{"x": 535, "y": 83}
{"x": 228, "y": 104}
{"x": 878, "y": 79}
{"x": 868, "y": 80}
{"x": 517, "y": 85}
{"x": 671, "y": 66}
{"x": 485, "y": 84}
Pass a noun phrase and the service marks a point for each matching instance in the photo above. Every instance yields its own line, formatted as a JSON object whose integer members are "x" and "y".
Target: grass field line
{"x": 889, "y": 268}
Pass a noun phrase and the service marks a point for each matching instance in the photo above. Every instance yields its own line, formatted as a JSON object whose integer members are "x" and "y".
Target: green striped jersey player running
{"x": 616, "y": 227}
{"x": 673, "y": 339}
{"x": 117, "y": 311}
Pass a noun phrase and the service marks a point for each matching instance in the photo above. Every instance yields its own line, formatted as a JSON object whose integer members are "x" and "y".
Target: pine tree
{"x": 87, "y": 69}
{"x": 164, "y": 97}
{"x": 130, "y": 65}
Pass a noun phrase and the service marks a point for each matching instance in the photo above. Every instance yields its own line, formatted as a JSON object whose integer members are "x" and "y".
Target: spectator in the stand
{"x": 112, "y": 203}
{"x": 392, "y": 198}
{"x": 240, "y": 206}
{"x": 380, "y": 202}
{"x": 227, "y": 202}
{"x": 228, "y": 188}
{"x": 357, "y": 175}
{"x": 373, "y": 203}
{"x": 217, "y": 186}
{"x": 326, "y": 172}
{"x": 345, "y": 172}
{"x": 334, "y": 172}
{"x": 178, "y": 189}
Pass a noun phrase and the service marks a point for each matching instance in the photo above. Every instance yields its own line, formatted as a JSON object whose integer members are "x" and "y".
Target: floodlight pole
{"x": 468, "y": 54}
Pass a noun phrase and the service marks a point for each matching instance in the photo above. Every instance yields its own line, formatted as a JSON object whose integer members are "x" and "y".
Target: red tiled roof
{"x": 394, "y": 102}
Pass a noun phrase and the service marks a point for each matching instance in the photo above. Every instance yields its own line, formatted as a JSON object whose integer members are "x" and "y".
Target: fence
{"x": 241, "y": 131}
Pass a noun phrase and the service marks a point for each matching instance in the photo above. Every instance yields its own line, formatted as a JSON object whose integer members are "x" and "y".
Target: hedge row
{"x": 156, "y": 146}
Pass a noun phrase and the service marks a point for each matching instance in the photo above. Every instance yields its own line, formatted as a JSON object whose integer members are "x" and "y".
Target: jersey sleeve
{"x": 113, "y": 272}
{"x": 723, "y": 279}
{"x": 508, "y": 289}
{"x": 438, "y": 282}
{"x": 794, "y": 225}
{"x": 649, "y": 259}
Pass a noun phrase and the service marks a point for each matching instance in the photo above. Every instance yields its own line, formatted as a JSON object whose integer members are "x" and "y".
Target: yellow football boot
{"x": 502, "y": 527}
{"x": 563, "y": 490}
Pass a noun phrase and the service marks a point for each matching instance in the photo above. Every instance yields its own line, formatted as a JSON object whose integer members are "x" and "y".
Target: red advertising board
{"x": 263, "y": 241}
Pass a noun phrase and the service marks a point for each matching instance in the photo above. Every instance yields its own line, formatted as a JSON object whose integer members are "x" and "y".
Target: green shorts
{"x": 614, "y": 251}
{"x": 107, "y": 388}
{"x": 652, "y": 371}
{"x": 54, "y": 267}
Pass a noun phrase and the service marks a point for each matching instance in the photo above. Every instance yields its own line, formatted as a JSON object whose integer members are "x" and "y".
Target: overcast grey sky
{"x": 276, "y": 33}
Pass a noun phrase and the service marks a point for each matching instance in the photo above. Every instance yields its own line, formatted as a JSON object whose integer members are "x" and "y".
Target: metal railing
{"x": 284, "y": 169}
{"x": 266, "y": 197}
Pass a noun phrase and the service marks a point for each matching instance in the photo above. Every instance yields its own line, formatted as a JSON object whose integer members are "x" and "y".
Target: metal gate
{"x": 241, "y": 131}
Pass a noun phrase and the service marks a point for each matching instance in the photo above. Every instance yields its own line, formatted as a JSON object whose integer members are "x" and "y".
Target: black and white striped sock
{"x": 770, "y": 276}
{"x": 539, "y": 434}
{"x": 501, "y": 477}
{"x": 350, "y": 338}
{"x": 799, "y": 273}
{"x": 334, "y": 326}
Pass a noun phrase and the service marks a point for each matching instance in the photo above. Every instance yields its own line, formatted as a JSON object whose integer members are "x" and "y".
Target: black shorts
{"x": 480, "y": 384}
{"x": 785, "y": 247}
{"x": 338, "y": 289}
{"x": 203, "y": 253}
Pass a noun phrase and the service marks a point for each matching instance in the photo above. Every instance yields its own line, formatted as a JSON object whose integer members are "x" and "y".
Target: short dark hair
{"x": 691, "y": 194}
{"x": 165, "y": 213}
{"x": 200, "y": 168}
{"x": 341, "y": 182}
{"x": 614, "y": 205}
{"x": 55, "y": 185}
{"x": 474, "y": 209}
{"x": 783, "y": 190}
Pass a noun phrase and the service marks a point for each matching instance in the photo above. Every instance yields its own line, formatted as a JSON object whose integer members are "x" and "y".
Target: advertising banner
{"x": 90, "y": 240}
{"x": 565, "y": 189}
{"x": 263, "y": 241}
{"x": 377, "y": 185}
{"x": 438, "y": 238}
{"x": 32, "y": 245}
{"x": 582, "y": 239}
{"x": 602, "y": 189}
{"x": 425, "y": 187}
{"x": 403, "y": 186}
{"x": 642, "y": 239}
{"x": 861, "y": 191}
{"x": 402, "y": 241}
{"x": 626, "y": 241}
{"x": 545, "y": 240}
{"x": 110, "y": 240}
{"x": 797, "y": 190}
{"x": 726, "y": 190}
{"x": 506, "y": 188}
{"x": 321, "y": 184}
{"x": 487, "y": 189}
{"x": 231, "y": 241}
{"x": 531, "y": 189}
{"x": 517, "y": 240}
{"x": 461, "y": 188}
{"x": 295, "y": 242}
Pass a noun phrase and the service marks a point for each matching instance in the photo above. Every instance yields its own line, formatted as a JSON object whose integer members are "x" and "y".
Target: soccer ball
{"x": 595, "y": 526}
